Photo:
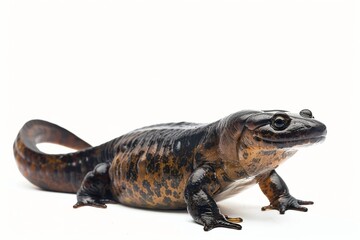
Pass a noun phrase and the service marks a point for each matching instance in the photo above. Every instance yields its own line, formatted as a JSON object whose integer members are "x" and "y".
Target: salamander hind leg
{"x": 278, "y": 194}
{"x": 202, "y": 184}
{"x": 95, "y": 188}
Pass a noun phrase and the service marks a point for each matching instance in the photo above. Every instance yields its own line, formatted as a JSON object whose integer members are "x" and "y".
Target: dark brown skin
{"x": 176, "y": 165}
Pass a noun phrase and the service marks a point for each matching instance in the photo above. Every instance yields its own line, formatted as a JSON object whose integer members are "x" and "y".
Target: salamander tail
{"x": 55, "y": 172}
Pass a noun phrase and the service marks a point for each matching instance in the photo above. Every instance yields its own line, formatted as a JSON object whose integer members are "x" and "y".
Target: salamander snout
{"x": 317, "y": 128}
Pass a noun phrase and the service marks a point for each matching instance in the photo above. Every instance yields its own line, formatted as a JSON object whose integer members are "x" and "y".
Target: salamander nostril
{"x": 306, "y": 113}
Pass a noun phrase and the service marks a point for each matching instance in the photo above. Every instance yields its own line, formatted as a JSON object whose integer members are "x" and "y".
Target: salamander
{"x": 175, "y": 165}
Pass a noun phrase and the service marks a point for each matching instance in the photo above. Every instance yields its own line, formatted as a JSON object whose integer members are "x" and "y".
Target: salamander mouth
{"x": 292, "y": 142}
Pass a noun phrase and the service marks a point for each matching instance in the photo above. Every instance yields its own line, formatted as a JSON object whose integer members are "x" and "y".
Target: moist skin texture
{"x": 175, "y": 165}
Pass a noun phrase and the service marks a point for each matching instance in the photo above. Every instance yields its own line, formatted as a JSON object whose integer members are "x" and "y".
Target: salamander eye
{"x": 280, "y": 122}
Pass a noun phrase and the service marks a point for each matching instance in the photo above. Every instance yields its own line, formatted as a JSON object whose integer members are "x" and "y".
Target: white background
{"x": 103, "y": 68}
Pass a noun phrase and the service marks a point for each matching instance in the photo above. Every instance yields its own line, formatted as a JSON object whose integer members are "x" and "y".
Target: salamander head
{"x": 253, "y": 142}
{"x": 281, "y": 129}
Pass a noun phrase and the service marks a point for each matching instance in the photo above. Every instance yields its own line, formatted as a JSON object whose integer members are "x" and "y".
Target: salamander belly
{"x": 148, "y": 180}
{"x": 234, "y": 188}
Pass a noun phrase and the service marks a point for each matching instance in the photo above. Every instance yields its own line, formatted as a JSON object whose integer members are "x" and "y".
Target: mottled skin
{"x": 175, "y": 165}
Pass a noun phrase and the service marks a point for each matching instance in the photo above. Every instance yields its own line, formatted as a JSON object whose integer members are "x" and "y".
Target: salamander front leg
{"x": 200, "y": 204}
{"x": 95, "y": 188}
{"x": 278, "y": 194}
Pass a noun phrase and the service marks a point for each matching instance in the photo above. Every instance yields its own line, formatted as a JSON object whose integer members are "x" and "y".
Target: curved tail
{"x": 55, "y": 172}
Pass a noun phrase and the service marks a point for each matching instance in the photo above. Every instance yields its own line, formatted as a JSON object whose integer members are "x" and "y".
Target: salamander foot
{"x": 287, "y": 202}
{"x": 211, "y": 222}
{"x": 95, "y": 188}
{"x": 89, "y": 201}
